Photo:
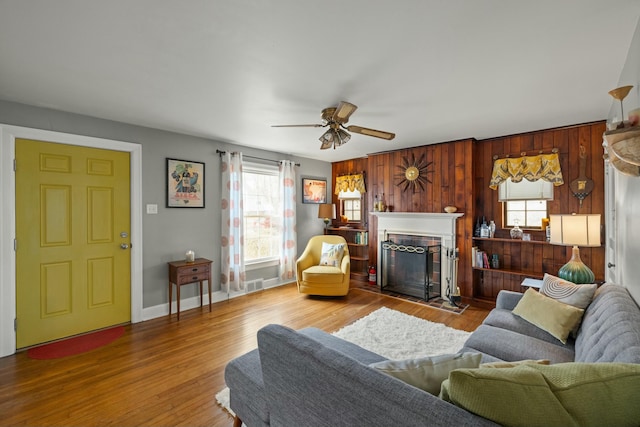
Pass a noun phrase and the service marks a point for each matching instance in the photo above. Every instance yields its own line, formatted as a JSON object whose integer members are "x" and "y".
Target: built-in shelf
{"x": 498, "y": 239}
{"x": 532, "y": 274}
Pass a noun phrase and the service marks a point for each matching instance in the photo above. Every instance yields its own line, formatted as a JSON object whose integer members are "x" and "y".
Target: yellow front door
{"x": 72, "y": 216}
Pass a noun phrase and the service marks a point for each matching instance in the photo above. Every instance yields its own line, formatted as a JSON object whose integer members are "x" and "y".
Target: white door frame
{"x": 8, "y": 135}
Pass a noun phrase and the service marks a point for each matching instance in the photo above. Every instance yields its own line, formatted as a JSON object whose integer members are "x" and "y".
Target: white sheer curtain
{"x": 232, "y": 272}
{"x": 288, "y": 249}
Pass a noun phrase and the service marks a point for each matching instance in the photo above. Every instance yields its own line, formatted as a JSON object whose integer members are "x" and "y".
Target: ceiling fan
{"x": 335, "y": 118}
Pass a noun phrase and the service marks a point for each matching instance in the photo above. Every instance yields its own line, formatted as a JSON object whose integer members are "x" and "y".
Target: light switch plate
{"x": 152, "y": 209}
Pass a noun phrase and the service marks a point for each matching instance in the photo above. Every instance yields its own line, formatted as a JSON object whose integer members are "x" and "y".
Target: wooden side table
{"x": 185, "y": 273}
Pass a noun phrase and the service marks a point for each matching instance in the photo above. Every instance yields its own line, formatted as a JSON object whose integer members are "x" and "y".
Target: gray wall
{"x": 171, "y": 232}
{"x": 627, "y": 189}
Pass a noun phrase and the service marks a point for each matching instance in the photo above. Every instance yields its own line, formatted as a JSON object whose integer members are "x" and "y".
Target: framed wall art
{"x": 314, "y": 190}
{"x": 185, "y": 184}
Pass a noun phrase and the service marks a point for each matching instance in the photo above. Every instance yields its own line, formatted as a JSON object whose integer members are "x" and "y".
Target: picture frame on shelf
{"x": 185, "y": 184}
{"x": 314, "y": 190}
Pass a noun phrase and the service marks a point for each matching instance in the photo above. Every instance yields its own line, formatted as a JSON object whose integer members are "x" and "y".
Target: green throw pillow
{"x": 564, "y": 394}
{"x": 332, "y": 254}
{"x": 427, "y": 373}
{"x": 557, "y": 318}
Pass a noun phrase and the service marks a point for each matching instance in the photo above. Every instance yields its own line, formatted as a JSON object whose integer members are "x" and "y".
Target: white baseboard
{"x": 160, "y": 310}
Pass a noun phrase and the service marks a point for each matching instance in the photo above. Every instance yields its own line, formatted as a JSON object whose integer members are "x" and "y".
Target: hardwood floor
{"x": 166, "y": 373}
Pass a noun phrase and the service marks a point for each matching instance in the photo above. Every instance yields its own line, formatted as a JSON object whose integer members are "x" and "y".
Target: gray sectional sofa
{"x": 311, "y": 378}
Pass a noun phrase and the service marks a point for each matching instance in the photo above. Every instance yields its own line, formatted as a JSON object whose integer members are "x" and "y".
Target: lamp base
{"x": 576, "y": 271}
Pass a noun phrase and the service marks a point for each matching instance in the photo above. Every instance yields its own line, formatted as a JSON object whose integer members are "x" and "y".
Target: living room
{"x": 165, "y": 236}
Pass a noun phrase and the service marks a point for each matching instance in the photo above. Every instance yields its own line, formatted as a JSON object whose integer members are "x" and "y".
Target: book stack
{"x": 479, "y": 258}
{"x": 362, "y": 238}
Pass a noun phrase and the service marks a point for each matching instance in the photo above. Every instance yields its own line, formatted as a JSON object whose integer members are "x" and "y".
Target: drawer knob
{"x": 195, "y": 269}
{"x": 195, "y": 277}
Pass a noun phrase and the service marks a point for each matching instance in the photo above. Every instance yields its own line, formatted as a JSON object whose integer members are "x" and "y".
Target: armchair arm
{"x": 304, "y": 261}
{"x": 345, "y": 266}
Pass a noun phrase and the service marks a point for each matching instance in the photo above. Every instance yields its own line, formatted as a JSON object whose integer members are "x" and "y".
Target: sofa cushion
{"x": 557, "y": 318}
{"x": 331, "y": 254}
{"x": 579, "y": 296}
{"x": 596, "y": 394}
{"x": 427, "y": 373}
{"x": 505, "y": 345}
{"x": 610, "y": 330}
{"x": 505, "y": 319}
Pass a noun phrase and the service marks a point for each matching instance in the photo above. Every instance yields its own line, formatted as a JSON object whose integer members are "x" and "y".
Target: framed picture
{"x": 185, "y": 184}
{"x": 314, "y": 190}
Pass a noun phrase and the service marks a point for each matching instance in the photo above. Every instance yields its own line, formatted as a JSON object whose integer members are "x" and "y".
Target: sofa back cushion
{"x": 307, "y": 383}
{"x": 610, "y": 330}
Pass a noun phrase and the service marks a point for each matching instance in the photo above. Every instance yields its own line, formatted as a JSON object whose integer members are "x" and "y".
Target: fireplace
{"x": 411, "y": 265}
{"x": 420, "y": 229}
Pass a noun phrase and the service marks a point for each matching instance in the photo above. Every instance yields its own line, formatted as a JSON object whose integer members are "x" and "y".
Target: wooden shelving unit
{"x": 518, "y": 259}
{"x": 358, "y": 252}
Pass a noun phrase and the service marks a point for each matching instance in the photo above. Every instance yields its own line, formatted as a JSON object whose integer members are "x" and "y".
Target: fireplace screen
{"x": 410, "y": 269}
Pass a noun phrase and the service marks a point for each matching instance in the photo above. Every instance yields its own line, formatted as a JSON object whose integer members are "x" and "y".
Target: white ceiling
{"x": 428, "y": 70}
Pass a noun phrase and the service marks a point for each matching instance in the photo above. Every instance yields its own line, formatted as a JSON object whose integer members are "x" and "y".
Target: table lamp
{"x": 327, "y": 211}
{"x": 575, "y": 230}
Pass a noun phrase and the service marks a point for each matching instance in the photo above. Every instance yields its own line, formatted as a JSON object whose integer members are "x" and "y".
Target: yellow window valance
{"x": 532, "y": 168}
{"x": 350, "y": 183}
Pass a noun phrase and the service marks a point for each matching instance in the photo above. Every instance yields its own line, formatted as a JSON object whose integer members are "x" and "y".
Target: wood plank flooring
{"x": 166, "y": 373}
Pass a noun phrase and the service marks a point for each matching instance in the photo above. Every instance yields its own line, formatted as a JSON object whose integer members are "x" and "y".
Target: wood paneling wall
{"x": 460, "y": 177}
{"x": 531, "y": 257}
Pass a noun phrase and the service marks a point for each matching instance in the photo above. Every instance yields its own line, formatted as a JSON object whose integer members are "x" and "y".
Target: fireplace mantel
{"x": 442, "y": 225}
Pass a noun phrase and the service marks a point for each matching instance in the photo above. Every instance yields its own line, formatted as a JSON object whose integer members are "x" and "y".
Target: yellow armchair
{"x": 316, "y": 279}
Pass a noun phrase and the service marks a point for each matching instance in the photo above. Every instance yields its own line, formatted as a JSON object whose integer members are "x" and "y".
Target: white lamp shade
{"x": 575, "y": 230}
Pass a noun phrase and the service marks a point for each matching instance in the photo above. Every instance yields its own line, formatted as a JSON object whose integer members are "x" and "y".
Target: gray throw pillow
{"x": 427, "y": 373}
{"x": 579, "y": 296}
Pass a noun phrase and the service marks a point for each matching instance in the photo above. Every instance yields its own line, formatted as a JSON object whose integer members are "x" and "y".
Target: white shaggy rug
{"x": 394, "y": 335}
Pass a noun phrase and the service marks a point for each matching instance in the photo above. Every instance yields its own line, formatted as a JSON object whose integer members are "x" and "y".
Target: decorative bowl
{"x": 450, "y": 209}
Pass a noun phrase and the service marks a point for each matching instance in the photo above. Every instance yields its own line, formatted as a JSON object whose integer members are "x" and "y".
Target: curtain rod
{"x": 220, "y": 152}
{"x": 524, "y": 153}
{"x": 351, "y": 173}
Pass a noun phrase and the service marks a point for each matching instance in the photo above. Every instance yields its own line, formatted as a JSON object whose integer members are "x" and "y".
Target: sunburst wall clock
{"x": 413, "y": 173}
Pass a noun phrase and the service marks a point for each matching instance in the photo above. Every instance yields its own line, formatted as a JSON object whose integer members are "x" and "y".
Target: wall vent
{"x": 254, "y": 285}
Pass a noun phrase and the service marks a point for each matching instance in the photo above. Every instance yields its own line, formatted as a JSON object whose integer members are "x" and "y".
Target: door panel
{"x": 72, "y": 204}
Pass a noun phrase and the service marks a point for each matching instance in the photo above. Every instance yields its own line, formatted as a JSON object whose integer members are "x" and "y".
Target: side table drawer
{"x": 189, "y": 277}
{"x": 195, "y": 269}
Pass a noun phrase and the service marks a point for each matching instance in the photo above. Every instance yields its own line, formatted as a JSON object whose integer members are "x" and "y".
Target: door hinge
{"x": 15, "y": 325}
{"x": 15, "y": 165}
{"x": 15, "y": 245}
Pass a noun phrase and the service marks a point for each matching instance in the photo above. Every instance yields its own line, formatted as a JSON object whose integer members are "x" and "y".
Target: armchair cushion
{"x": 332, "y": 254}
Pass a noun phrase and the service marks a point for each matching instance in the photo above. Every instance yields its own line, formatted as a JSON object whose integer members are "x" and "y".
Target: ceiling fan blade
{"x": 298, "y": 126}
{"x": 344, "y": 111}
{"x": 371, "y": 132}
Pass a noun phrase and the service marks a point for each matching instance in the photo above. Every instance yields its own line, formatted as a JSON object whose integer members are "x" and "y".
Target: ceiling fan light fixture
{"x": 343, "y": 136}
{"x": 327, "y": 139}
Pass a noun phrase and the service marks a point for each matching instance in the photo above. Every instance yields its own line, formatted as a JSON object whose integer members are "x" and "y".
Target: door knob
{"x": 124, "y": 246}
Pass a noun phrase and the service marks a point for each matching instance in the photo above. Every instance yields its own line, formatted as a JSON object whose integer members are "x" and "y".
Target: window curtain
{"x": 232, "y": 272}
{"x": 532, "y": 168}
{"x": 288, "y": 251}
{"x": 350, "y": 183}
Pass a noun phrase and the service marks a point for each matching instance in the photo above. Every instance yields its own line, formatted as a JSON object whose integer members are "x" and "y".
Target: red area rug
{"x": 76, "y": 345}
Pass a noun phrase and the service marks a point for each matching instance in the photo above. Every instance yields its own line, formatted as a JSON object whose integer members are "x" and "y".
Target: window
{"x": 262, "y": 221}
{"x": 525, "y": 202}
{"x": 528, "y": 213}
{"x": 351, "y": 205}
